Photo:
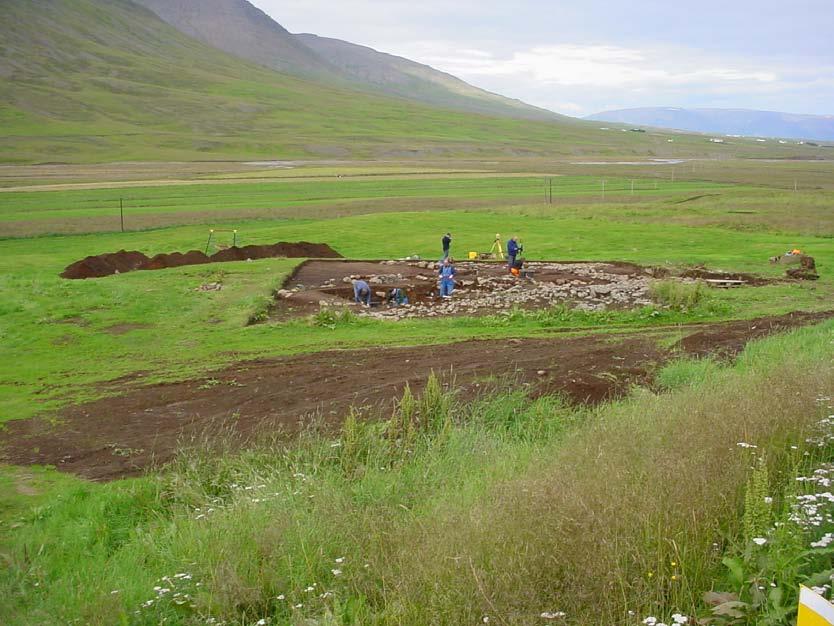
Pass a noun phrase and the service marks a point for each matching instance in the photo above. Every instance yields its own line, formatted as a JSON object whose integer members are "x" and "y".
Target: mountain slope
{"x": 239, "y": 28}
{"x": 727, "y": 121}
{"x": 108, "y": 80}
{"x": 402, "y": 77}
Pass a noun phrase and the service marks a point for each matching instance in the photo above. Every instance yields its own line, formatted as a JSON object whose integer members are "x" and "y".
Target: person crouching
{"x": 397, "y": 297}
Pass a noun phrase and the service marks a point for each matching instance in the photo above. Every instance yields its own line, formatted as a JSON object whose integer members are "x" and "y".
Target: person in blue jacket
{"x": 447, "y": 278}
{"x": 512, "y": 251}
{"x": 362, "y": 292}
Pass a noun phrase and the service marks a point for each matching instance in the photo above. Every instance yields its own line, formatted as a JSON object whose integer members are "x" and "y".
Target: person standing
{"x": 447, "y": 244}
{"x": 361, "y": 292}
{"x": 512, "y": 251}
{"x": 447, "y": 278}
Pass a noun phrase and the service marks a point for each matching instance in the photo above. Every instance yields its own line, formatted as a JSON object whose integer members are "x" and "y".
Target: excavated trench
{"x": 120, "y": 435}
{"x": 482, "y": 287}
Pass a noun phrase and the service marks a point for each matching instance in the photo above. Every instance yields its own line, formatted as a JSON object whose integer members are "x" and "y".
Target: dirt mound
{"x": 105, "y": 264}
{"x": 299, "y": 250}
{"x": 123, "y": 435}
{"x": 175, "y": 259}
{"x": 806, "y": 271}
{"x": 123, "y": 261}
{"x": 748, "y": 279}
{"x": 306, "y": 249}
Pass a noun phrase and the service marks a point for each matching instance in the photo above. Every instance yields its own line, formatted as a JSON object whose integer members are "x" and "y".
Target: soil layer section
{"x": 124, "y": 435}
{"x": 128, "y": 261}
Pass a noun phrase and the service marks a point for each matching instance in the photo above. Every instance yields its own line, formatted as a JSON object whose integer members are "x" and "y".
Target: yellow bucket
{"x": 473, "y": 256}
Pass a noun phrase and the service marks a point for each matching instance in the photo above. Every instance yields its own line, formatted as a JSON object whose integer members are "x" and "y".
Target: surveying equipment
{"x": 497, "y": 249}
{"x": 221, "y": 230}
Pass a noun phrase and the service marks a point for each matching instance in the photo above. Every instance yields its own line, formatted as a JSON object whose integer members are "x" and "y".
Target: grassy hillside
{"x": 88, "y": 80}
{"x": 238, "y": 27}
{"x": 401, "y": 77}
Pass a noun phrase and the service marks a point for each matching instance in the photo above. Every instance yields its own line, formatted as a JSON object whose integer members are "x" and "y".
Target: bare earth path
{"x": 123, "y": 435}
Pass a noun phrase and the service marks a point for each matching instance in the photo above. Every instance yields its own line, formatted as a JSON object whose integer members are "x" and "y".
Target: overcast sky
{"x": 583, "y": 56}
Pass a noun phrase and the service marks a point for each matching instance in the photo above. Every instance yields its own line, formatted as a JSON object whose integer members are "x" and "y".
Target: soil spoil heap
{"x": 105, "y": 264}
{"x": 128, "y": 261}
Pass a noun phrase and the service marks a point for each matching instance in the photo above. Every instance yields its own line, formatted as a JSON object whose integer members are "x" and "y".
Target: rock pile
{"x": 584, "y": 286}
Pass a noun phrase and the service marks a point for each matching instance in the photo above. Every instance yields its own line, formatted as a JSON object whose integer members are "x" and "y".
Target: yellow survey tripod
{"x": 497, "y": 249}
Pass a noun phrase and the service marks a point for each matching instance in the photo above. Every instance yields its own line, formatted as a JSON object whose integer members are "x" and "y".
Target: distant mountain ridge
{"x": 726, "y": 121}
{"x": 239, "y": 28}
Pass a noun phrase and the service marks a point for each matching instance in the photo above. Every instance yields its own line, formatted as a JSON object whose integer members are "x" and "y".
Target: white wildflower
{"x": 678, "y": 618}
{"x": 336, "y": 572}
{"x": 759, "y": 541}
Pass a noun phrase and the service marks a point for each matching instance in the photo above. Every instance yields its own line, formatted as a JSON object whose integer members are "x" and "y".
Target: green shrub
{"x": 332, "y": 318}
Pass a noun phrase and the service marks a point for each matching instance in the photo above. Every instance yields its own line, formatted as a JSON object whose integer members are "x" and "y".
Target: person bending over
{"x": 362, "y": 292}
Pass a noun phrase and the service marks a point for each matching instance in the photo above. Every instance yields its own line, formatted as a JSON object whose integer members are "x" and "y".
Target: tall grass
{"x": 677, "y": 295}
{"x": 447, "y": 511}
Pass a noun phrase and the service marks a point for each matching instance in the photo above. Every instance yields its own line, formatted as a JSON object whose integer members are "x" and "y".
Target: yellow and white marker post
{"x": 814, "y": 610}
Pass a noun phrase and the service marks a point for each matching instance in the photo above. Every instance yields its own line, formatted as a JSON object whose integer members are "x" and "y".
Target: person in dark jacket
{"x": 512, "y": 251}
{"x": 447, "y": 244}
{"x": 362, "y": 292}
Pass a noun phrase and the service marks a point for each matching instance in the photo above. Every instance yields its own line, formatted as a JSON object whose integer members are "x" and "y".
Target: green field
{"x": 482, "y": 511}
{"x": 32, "y": 212}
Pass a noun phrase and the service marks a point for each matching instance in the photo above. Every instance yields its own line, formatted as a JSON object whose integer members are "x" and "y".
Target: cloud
{"x": 601, "y": 66}
{"x": 743, "y": 54}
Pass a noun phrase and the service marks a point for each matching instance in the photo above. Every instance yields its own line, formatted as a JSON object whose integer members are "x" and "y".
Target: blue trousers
{"x": 447, "y": 286}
